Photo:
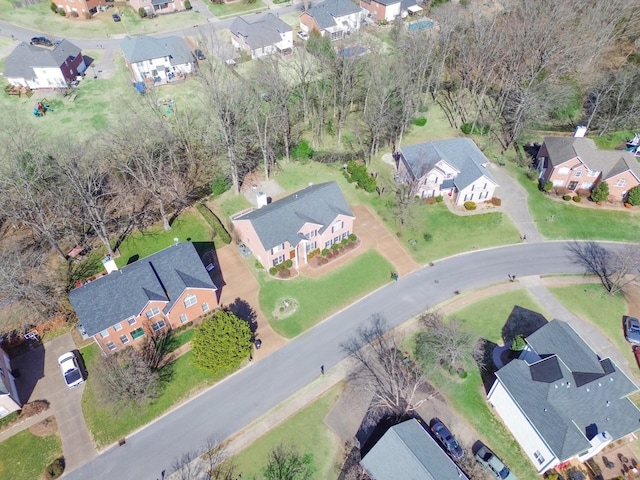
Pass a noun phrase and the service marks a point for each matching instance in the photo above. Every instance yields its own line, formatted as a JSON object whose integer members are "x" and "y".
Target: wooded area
{"x": 501, "y": 71}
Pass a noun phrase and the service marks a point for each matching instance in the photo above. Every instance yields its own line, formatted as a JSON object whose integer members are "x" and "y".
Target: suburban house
{"x": 408, "y": 452}
{"x": 261, "y": 35}
{"x": 39, "y": 67}
{"x": 575, "y": 163}
{"x": 389, "y": 10}
{"x": 455, "y": 167}
{"x": 560, "y": 400}
{"x": 84, "y": 8}
{"x": 157, "y": 7}
{"x": 335, "y": 18}
{"x": 9, "y": 400}
{"x": 157, "y": 61}
{"x": 313, "y": 218}
{"x": 162, "y": 291}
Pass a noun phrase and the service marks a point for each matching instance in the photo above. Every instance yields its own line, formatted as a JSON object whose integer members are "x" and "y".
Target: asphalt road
{"x": 242, "y": 398}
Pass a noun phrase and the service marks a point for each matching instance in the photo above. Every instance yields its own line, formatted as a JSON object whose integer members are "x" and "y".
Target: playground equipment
{"x": 42, "y": 108}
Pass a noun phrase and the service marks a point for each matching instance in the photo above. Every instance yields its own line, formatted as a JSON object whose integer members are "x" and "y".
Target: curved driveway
{"x": 242, "y": 398}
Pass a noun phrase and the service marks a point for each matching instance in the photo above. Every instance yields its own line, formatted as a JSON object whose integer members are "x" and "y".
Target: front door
{"x": 572, "y": 185}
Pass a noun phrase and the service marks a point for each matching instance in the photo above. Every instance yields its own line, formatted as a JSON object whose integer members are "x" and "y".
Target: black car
{"x": 444, "y": 435}
{"x": 116, "y": 17}
{"x": 41, "y": 41}
{"x": 199, "y": 55}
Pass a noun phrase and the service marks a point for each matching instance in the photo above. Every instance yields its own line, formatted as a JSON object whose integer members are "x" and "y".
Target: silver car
{"x": 491, "y": 462}
{"x": 632, "y": 329}
{"x": 70, "y": 370}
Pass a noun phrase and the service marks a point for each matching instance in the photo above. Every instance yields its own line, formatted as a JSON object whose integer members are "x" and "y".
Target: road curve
{"x": 242, "y": 398}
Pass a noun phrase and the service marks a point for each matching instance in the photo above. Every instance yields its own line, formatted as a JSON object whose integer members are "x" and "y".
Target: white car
{"x": 70, "y": 370}
{"x": 303, "y": 35}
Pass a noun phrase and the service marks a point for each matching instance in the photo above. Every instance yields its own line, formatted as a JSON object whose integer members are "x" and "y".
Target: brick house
{"x": 9, "y": 400}
{"x": 455, "y": 167}
{"x": 261, "y": 35}
{"x": 162, "y": 291}
{"x": 288, "y": 229}
{"x": 389, "y": 10}
{"x": 84, "y": 8}
{"x": 561, "y": 400}
{"x": 575, "y": 163}
{"x": 157, "y": 7}
{"x": 335, "y": 18}
{"x": 39, "y": 67}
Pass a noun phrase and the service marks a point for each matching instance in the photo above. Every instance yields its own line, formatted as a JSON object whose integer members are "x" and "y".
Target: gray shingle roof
{"x": 282, "y": 220}
{"x": 577, "y": 391}
{"x": 326, "y": 12}
{"x": 124, "y": 293}
{"x": 139, "y": 49}
{"x": 406, "y": 451}
{"x": 260, "y": 30}
{"x": 25, "y": 57}
{"x": 460, "y": 153}
{"x": 609, "y": 162}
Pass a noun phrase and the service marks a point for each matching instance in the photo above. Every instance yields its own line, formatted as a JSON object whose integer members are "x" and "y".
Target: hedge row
{"x": 215, "y": 223}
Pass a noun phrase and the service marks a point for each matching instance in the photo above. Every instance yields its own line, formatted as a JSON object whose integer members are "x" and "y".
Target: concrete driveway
{"x": 43, "y": 381}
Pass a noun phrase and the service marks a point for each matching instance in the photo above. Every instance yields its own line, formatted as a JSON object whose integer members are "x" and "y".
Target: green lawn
{"x": 107, "y": 423}
{"x": 591, "y": 303}
{"x": 307, "y": 432}
{"x": 24, "y": 456}
{"x": 236, "y": 8}
{"x": 188, "y": 227}
{"x": 486, "y": 319}
{"x": 610, "y": 141}
{"x": 317, "y": 298}
{"x": 560, "y": 220}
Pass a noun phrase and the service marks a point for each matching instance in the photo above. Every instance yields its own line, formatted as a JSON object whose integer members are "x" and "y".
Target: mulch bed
{"x": 319, "y": 260}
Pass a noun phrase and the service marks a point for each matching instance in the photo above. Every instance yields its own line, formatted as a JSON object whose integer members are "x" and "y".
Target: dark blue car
{"x": 446, "y": 438}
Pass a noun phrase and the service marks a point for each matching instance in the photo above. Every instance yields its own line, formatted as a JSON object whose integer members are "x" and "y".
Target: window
{"x": 311, "y": 246}
{"x": 132, "y": 321}
{"x": 278, "y": 260}
{"x": 485, "y": 187}
{"x": 538, "y": 456}
{"x": 276, "y": 249}
{"x": 327, "y": 244}
{"x": 563, "y": 171}
{"x": 124, "y": 339}
{"x": 336, "y": 226}
{"x": 592, "y": 173}
{"x": 578, "y": 173}
{"x": 586, "y": 185}
{"x": 153, "y": 312}
{"x": 184, "y": 318}
{"x": 205, "y": 307}
{"x": 310, "y": 235}
{"x": 117, "y": 327}
{"x": 622, "y": 182}
{"x": 345, "y": 235}
{"x": 336, "y": 239}
{"x": 137, "y": 333}
{"x": 159, "y": 325}
{"x": 104, "y": 333}
{"x": 111, "y": 345}
{"x": 572, "y": 185}
{"x": 190, "y": 300}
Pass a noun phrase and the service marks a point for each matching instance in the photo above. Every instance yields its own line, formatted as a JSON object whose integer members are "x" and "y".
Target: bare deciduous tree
{"x": 286, "y": 463}
{"x": 384, "y": 370}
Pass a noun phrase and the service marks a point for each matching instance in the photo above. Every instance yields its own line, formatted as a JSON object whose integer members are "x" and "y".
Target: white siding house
{"x": 261, "y": 35}
{"x": 157, "y": 61}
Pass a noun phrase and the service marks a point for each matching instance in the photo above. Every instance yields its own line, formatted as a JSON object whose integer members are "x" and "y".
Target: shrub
{"x": 220, "y": 184}
{"x": 258, "y": 265}
{"x": 344, "y": 241}
{"x": 288, "y": 263}
{"x": 359, "y": 174}
{"x": 496, "y": 201}
{"x": 439, "y": 198}
{"x": 427, "y": 237}
{"x": 313, "y": 253}
{"x": 547, "y": 186}
{"x": 215, "y": 223}
{"x": 55, "y": 469}
{"x": 566, "y": 198}
{"x": 335, "y": 247}
{"x": 302, "y": 151}
{"x": 462, "y": 373}
{"x": 474, "y": 129}
{"x": 633, "y": 197}
{"x": 187, "y": 5}
{"x": 531, "y": 174}
{"x": 142, "y": 12}
{"x": 325, "y": 252}
{"x": 221, "y": 342}
{"x": 577, "y": 199}
{"x": 352, "y": 237}
{"x": 517, "y": 344}
{"x": 61, "y": 12}
{"x": 470, "y": 205}
{"x": 419, "y": 122}
{"x": 53, "y": 7}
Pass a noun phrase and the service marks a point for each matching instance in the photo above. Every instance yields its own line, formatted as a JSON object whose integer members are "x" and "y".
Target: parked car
{"x": 70, "y": 370}
{"x": 632, "y": 329}
{"x": 302, "y": 35}
{"x": 491, "y": 462}
{"x": 446, "y": 438}
{"x": 41, "y": 41}
{"x": 116, "y": 17}
{"x": 199, "y": 54}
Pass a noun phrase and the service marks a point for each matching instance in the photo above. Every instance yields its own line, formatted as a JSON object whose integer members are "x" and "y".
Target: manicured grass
{"x": 108, "y": 423}
{"x": 236, "y": 8}
{"x": 180, "y": 339}
{"x": 305, "y": 431}
{"x": 468, "y": 397}
{"x": 610, "y": 141}
{"x": 188, "y": 227}
{"x": 560, "y": 220}
{"x": 317, "y": 298}
{"x": 24, "y": 456}
{"x": 591, "y": 303}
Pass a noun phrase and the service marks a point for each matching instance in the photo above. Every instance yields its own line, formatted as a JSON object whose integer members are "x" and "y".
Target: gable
{"x": 326, "y": 13}
{"x": 140, "y": 49}
{"x": 260, "y": 31}
{"x": 24, "y": 58}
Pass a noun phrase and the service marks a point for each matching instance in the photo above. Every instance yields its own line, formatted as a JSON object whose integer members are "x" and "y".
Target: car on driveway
{"x": 116, "y": 17}
{"x": 302, "y": 35}
{"x": 632, "y": 329}
{"x": 70, "y": 370}
{"x": 199, "y": 54}
{"x": 41, "y": 41}
{"x": 446, "y": 438}
{"x": 491, "y": 462}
